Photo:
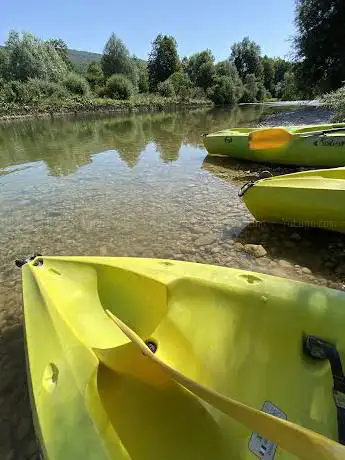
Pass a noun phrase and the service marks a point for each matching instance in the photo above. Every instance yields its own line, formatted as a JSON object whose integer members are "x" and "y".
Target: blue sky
{"x": 196, "y": 25}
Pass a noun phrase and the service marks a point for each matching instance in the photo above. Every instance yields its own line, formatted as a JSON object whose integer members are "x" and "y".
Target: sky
{"x": 196, "y": 25}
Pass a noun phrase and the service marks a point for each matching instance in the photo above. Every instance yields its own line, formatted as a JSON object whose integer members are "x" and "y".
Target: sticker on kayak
{"x": 328, "y": 141}
{"x": 262, "y": 447}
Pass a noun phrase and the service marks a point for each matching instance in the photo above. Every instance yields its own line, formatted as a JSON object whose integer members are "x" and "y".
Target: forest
{"x": 34, "y": 71}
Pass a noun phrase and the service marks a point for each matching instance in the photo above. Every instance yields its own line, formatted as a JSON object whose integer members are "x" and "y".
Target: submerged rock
{"x": 205, "y": 240}
{"x": 256, "y": 250}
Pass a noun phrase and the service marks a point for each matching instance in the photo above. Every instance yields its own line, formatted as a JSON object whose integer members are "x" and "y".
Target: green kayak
{"x": 312, "y": 145}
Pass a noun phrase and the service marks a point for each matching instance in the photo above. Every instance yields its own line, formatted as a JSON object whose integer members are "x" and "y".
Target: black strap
{"x": 320, "y": 349}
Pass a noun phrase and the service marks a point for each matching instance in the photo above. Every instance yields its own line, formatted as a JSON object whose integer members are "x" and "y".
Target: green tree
{"x": 76, "y": 84}
{"x": 94, "y": 75}
{"x": 246, "y": 57}
{"x": 166, "y": 89}
{"x": 116, "y": 60}
{"x": 118, "y": 86}
{"x": 320, "y": 43}
{"x": 3, "y": 64}
{"x": 288, "y": 89}
{"x": 228, "y": 69}
{"x": 61, "y": 48}
{"x": 163, "y": 60}
{"x": 30, "y": 57}
{"x": 181, "y": 83}
{"x": 269, "y": 73}
{"x": 143, "y": 75}
{"x": 184, "y": 64}
{"x": 281, "y": 66}
{"x": 223, "y": 90}
{"x": 201, "y": 69}
{"x": 261, "y": 92}
{"x": 250, "y": 88}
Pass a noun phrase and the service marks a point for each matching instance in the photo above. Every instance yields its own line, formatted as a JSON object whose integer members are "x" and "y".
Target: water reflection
{"x": 65, "y": 145}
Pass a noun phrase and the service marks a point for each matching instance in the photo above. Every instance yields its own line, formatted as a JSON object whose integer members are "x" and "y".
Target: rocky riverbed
{"x": 141, "y": 187}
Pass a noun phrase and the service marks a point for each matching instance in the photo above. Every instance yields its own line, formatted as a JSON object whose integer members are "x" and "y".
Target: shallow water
{"x": 139, "y": 185}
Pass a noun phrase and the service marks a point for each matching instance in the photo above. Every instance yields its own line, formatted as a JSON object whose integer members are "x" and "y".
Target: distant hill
{"x": 82, "y": 59}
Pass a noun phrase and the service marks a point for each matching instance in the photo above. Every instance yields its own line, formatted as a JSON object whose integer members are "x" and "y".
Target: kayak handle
{"x": 245, "y": 187}
{"x": 317, "y": 348}
{"x": 20, "y": 262}
{"x": 263, "y": 175}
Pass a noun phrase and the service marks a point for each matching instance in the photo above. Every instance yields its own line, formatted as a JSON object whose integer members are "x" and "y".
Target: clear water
{"x": 134, "y": 185}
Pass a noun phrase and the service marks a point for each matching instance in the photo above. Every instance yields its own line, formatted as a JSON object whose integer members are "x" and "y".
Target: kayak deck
{"x": 222, "y": 328}
{"x": 309, "y": 198}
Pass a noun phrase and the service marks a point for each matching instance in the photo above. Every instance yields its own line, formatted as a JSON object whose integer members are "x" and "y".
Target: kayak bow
{"x": 146, "y": 358}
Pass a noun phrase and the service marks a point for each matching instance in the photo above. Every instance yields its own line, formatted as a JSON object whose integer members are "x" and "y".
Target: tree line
{"x": 32, "y": 70}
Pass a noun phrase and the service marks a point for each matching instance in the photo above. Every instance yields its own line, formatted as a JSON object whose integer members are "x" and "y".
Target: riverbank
{"x": 83, "y": 105}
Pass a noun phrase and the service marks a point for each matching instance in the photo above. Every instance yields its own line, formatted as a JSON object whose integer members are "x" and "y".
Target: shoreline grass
{"x": 76, "y": 105}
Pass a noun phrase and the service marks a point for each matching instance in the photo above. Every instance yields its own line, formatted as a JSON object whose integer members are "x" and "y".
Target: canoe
{"x": 307, "y": 199}
{"x": 302, "y": 147}
{"x": 156, "y": 359}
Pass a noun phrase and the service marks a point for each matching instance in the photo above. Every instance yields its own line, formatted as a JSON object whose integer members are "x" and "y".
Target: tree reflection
{"x": 65, "y": 145}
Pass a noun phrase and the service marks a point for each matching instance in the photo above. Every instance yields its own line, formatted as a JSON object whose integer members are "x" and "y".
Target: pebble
{"x": 284, "y": 263}
{"x": 103, "y": 251}
{"x": 198, "y": 229}
{"x": 238, "y": 246}
{"x": 306, "y": 271}
{"x": 256, "y": 250}
{"x": 205, "y": 240}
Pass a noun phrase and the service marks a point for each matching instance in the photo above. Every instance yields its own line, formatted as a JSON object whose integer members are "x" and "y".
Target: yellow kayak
{"x": 311, "y": 145}
{"x": 308, "y": 199}
{"x": 148, "y": 359}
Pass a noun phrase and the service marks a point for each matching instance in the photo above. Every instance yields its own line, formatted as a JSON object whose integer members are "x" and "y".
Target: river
{"x": 142, "y": 186}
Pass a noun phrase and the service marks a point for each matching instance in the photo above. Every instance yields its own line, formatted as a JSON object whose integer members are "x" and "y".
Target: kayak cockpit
{"x": 237, "y": 334}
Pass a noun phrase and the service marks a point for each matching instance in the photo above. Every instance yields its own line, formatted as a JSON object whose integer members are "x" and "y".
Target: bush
{"x": 94, "y": 75}
{"x": 261, "y": 94}
{"x": 166, "y": 89}
{"x": 76, "y": 84}
{"x": 198, "y": 93}
{"x": 31, "y": 91}
{"x": 26, "y": 57}
{"x": 288, "y": 90}
{"x": 101, "y": 92}
{"x": 41, "y": 89}
{"x": 223, "y": 91}
{"x": 118, "y": 87}
{"x": 336, "y": 101}
{"x": 181, "y": 84}
{"x": 250, "y": 89}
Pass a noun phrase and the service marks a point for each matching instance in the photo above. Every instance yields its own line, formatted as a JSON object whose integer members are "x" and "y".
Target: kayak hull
{"x": 96, "y": 396}
{"x": 318, "y": 150}
{"x": 307, "y": 199}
